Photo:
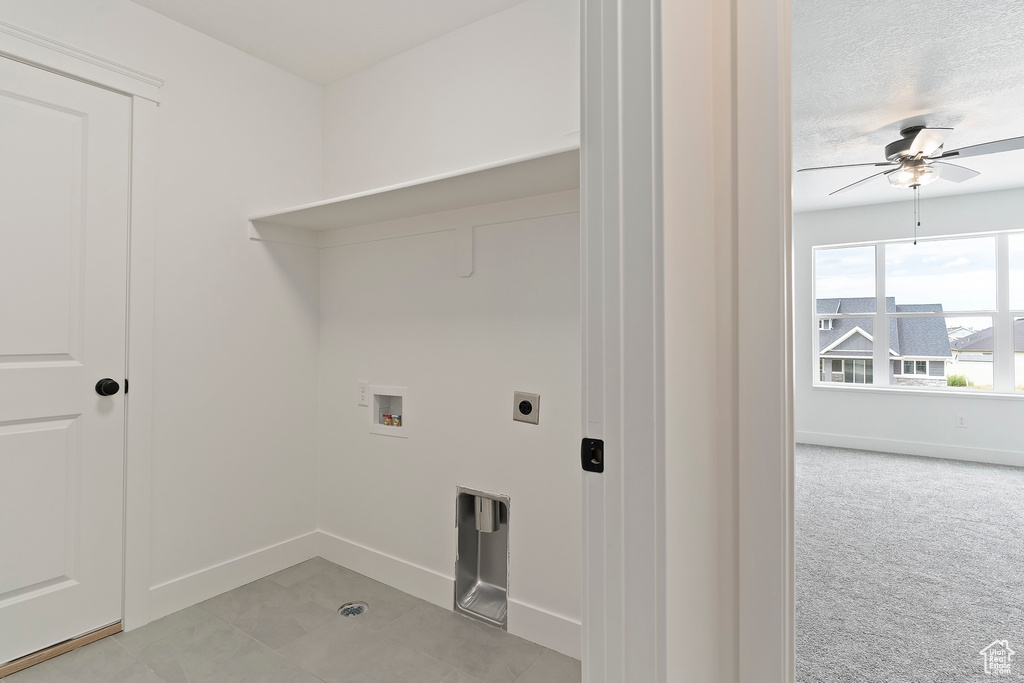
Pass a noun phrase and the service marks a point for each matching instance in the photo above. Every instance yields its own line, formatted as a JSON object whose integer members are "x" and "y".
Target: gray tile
{"x": 490, "y": 654}
{"x": 235, "y": 603}
{"x": 345, "y": 652}
{"x": 553, "y": 667}
{"x": 214, "y": 652}
{"x": 461, "y": 677}
{"x": 269, "y": 612}
{"x": 336, "y": 585}
{"x": 104, "y": 661}
{"x": 161, "y": 628}
{"x": 300, "y": 571}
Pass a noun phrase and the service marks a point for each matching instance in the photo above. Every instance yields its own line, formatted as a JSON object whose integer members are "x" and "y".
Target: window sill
{"x": 979, "y": 393}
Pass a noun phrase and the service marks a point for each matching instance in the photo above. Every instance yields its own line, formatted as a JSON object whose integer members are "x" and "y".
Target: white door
{"x": 64, "y": 200}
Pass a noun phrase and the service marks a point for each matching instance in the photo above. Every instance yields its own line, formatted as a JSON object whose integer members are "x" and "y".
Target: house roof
{"x": 922, "y": 336}
{"x": 982, "y": 340}
{"x": 907, "y": 336}
{"x": 853, "y": 305}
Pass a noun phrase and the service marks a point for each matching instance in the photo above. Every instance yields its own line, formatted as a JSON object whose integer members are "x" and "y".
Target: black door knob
{"x": 107, "y": 387}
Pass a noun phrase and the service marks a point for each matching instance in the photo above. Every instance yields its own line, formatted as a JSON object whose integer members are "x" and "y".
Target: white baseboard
{"x": 420, "y": 582}
{"x": 186, "y": 591}
{"x": 930, "y": 450}
{"x": 553, "y": 631}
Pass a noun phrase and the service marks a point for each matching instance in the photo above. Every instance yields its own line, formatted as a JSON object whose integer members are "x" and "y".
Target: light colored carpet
{"x": 906, "y": 567}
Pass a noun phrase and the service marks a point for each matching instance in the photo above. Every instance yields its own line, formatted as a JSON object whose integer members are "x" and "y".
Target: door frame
{"x": 764, "y": 287}
{"x": 623, "y": 616}
{"x": 144, "y": 91}
{"x": 625, "y": 563}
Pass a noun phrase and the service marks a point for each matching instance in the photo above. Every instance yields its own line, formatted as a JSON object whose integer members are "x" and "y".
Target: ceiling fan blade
{"x": 826, "y": 168}
{"x": 928, "y": 141}
{"x": 957, "y": 174}
{"x": 861, "y": 182}
{"x": 994, "y": 147}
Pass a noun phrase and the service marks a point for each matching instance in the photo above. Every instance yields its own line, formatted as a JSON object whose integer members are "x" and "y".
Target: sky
{"x": 960, "y": 274}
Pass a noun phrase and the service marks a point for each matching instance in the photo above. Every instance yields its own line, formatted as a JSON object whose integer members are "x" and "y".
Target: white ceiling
{"x": 324, "y": 40}
{"x": 864, "y": 69}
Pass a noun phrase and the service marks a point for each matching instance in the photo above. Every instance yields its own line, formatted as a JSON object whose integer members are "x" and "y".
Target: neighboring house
{"x": 958, "y": 332}
{"x": 972, "y": 356}
{"x": 918, "y": 347}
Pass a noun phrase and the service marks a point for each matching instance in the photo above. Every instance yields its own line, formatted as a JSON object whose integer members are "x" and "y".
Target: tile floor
{"x": 285, "y": 629}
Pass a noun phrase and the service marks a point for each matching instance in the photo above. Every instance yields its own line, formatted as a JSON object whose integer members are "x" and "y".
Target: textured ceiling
{"x": 864, "y": 69}
{"x": 324, "y": 40}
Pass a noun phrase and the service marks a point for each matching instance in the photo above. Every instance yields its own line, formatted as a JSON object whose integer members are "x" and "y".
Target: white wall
{"x": 396, "y": 313}
{"x": 502, "y": 87}
{"x": 897, "y": 421}
{"x": 236, "y": 321}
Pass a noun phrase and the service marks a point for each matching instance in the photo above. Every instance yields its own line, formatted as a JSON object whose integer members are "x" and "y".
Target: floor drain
{"x": 353, "y": 609}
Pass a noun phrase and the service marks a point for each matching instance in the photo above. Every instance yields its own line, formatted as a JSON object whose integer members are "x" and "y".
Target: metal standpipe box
{"x": 481, "y": 567}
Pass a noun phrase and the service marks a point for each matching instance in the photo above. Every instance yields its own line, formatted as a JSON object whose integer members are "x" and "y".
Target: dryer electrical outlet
{"x": 526, "y": 407}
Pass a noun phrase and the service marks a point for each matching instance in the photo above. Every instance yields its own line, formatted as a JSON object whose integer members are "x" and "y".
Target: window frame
{"x": 1018, "y": 380}
{"x": 1002, "y": 320}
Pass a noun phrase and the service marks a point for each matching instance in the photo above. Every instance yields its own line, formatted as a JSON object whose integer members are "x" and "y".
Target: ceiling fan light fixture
{"x": 919, "y": 157}
{"x": 913, "y": 175}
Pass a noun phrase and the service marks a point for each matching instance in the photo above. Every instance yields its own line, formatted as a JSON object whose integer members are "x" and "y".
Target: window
{"x": 1018, "y": 350}
{"x": 941, "y": 313}
{"x": 845, "y": 273}
{"x": 853, "y": 370}
{"x": 1016, "y": 248}
{"x": 915, "y": 367}
{"x": 960, "y": 274}
{"x": 861, "y": 371}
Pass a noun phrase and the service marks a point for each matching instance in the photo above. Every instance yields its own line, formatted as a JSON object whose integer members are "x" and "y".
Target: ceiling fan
{"x": 917, "y": 159}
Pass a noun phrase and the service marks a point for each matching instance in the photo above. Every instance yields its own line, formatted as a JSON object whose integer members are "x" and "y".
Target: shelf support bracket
{"x": 266, "y": 232}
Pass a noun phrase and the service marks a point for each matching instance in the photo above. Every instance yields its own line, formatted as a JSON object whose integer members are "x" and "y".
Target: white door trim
{"x": 765, "y": 334}
{"x": 36, "y": 50}
{"x": 139, "y": 413}
{"x": 53, "y": 55}
{"x": 624, "y": 632}
{"x": 622, "y": 329}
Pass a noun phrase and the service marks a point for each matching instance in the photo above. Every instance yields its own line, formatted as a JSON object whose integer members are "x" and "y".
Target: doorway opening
{"x": 909, "y": 343}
